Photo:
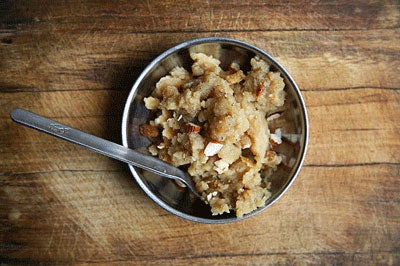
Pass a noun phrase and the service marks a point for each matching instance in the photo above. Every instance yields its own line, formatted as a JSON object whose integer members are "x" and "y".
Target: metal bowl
{"x": 293, "y": 121}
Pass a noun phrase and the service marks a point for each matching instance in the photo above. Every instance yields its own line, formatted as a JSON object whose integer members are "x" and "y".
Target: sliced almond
{"x": 221, "y": 166}
{"x": 275, "y": 139}
{"x": 245, "y": 141}
{"x": 212, "y": 148}
{"x": 234, "y": 67}
{"x": 209, "y": 197}
{"x": 161, "y": 146}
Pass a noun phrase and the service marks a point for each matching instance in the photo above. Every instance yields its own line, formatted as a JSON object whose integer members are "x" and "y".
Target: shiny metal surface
{"x": 293, "y": 121}
{"x": 102, "y": 146}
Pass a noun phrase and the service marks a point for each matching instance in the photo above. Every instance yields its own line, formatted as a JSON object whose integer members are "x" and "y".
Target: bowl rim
{"x": 247, "y": 46}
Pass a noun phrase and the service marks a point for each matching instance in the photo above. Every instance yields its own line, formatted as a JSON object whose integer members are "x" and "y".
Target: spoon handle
{"x": 99, "y": 145}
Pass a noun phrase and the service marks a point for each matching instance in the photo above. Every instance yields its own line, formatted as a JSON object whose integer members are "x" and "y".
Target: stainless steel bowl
{"x": 167, "y": 193}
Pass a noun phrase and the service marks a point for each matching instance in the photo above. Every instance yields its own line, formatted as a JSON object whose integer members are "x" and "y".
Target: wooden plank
{"x": 80, "y": 61}
{"x": 354, "y": 126}
{"x": 96, "y": 112}
{"x": 211, "y": 16}
{"x": 90, "y": 217}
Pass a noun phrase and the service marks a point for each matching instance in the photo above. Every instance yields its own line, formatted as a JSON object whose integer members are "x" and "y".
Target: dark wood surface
{"x": 75, "y": 61}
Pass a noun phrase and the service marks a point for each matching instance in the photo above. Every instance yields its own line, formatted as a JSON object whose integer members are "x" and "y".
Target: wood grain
{"x": 317, "y": 60}
{"x": 75, "y": 62}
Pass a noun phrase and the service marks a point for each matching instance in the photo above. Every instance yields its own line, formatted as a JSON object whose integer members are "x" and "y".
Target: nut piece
{"x": 221, "y": 166}
{"x": 233, "y": 68}
{"x": 211, "y": 195}
{"x": 276, "y": 138}
{"x": 259, "y": 90}
{"x": 161, "y": 146}
{"x": 192, "y": 128}
{"x": 212, "y": 148}
{"x": 148, "y": 130}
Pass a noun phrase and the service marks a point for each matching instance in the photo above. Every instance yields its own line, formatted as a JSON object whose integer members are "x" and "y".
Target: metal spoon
{"x": 102, "y": 146}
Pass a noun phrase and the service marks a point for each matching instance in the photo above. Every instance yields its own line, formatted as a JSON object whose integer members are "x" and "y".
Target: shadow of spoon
{"x": 102, "y": 146}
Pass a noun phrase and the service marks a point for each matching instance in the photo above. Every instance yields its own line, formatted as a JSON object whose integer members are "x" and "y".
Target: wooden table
{"x": 75, "y": 61}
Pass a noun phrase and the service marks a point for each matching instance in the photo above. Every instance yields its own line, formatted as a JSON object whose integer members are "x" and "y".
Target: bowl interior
{"x": 167, "y": 193}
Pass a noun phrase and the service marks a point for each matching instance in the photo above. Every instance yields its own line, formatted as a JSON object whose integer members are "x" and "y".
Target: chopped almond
{"x": 192, "y": 128}
{"x": 276, "y": 137}
{"x": 211, "y": 195}
{"x": 260, "y": 90}
{"x": 233, "y": 68}
{"x": 221, "y": 166}
{"x": 161, "y": 146}
{"x": 212, "y": 148}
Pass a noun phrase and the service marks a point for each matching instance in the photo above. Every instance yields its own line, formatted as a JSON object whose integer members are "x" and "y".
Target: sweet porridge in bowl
{"x": 215, "y": 121}
{"x": 228, "y": 115}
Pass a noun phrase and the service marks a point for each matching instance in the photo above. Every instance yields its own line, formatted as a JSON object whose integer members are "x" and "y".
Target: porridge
{"x": 215, "y": 123}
